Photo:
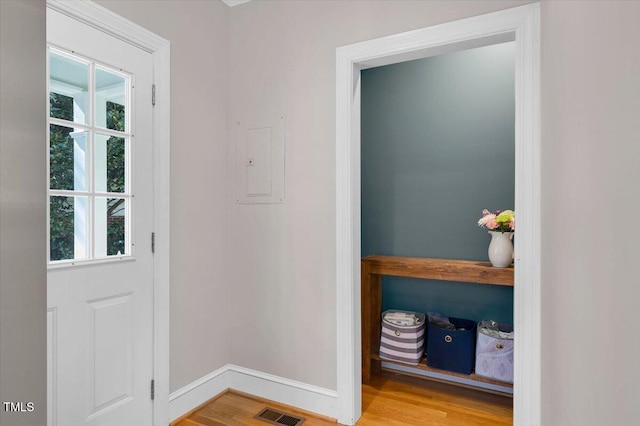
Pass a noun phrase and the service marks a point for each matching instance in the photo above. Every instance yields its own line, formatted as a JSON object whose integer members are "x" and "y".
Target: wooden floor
{"x": 400, "y": 400}
{"x": 390, "y": 400}
{"x": 236, "y": 409}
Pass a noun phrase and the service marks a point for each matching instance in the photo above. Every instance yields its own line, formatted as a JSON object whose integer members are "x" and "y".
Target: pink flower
{"x": 491, "y": 223}
{"x": 486, "y": 218}
{"x": 512, "y": 224}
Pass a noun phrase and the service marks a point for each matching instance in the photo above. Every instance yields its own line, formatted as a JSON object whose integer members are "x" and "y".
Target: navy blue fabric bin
{"x": 452, "y": 350}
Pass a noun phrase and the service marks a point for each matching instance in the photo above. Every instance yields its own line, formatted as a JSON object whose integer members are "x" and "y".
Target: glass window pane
{"x": 110, "y": 100}
{"x": 67, "y": 158}
{"x": 68, "y": 227}
{"x": 110, "y": 227}
{"x": 68, "y": 88}
{"x": 60, "y": 106}
{"x": 110, "y": 163}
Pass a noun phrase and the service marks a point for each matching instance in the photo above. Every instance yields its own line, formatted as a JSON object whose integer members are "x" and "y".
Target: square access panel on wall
{"x": 260, "y": 161}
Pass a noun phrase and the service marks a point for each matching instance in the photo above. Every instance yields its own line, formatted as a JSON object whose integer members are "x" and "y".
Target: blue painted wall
{"x": 437, "y": 148}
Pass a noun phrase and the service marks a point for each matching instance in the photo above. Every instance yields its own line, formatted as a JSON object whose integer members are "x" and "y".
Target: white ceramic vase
{"x": 501, "y": 249}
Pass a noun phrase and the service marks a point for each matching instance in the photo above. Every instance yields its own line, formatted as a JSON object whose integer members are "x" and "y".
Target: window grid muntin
{"x": 91, "y": 130}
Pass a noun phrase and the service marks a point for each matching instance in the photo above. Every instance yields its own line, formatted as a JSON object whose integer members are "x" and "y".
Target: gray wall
{"x": 437, "y": 147}
{"x": 23, "y": 245}
{"x": 590, "y": 174}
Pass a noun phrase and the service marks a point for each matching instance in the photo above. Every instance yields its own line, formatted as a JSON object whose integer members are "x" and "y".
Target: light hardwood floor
{"x": 389, "y": 400}
{"x": 400, "y": 400}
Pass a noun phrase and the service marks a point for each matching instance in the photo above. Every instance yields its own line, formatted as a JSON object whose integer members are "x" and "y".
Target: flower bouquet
{"x": 500, "y": 221}
{"x": 501, "y": 225}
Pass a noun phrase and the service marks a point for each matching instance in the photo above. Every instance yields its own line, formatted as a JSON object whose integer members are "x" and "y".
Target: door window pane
{"x": 89, "y": 134}
{"x": 60, "y": 106}
{"x": 111, "y": 97}
{"x": 68, "y": 88}
{"x": 110, "y": 163}
{"x": 110, "y": 226}
{"x": 68, "y": 227}
{"x": 67, "y": 158}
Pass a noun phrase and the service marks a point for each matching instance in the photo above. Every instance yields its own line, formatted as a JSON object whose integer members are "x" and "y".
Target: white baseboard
{"x": 197, "y": 392}
{"x": 285, "y": 391}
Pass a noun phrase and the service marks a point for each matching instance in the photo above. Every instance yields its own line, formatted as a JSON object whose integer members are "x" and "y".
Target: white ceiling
{"x": 232, "y": 3}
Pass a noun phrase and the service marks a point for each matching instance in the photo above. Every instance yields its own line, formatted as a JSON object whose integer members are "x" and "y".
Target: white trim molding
{"x": 110, "y": 23}
{"x": 522, "y": 25}
{"x": 198, "y": 392}
{"x": 285, "y": 391}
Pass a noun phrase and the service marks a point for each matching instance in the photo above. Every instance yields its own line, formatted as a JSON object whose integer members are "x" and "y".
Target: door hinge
{"x": 153, "y": 242}
{"x": 153, "y": 94}
{"x": 153, "y": 389}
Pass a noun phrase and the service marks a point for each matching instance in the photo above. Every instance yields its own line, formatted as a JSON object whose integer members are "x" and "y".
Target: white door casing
{"x": 521, "y": 24}
{"x": 107, "y": 315}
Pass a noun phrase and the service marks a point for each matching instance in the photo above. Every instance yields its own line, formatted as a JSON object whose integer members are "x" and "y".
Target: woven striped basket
{"x": 402, "y": 343}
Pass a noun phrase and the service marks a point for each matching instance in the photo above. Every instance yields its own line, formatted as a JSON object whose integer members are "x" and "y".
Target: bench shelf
{"x": 375, "y": 266}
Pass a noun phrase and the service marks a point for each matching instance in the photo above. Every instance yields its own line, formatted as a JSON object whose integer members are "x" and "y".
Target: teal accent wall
{"x": 437, "y": 148}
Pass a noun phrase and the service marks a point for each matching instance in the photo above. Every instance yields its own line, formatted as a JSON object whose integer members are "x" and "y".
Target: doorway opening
{"x": 437, "y": 148}
{"x": 520, "y": 25}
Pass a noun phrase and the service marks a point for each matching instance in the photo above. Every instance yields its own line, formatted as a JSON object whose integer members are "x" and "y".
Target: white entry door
{"x": 100, "y": 277}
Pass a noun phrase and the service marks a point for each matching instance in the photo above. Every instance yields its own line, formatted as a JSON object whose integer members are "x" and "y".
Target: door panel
{"x": 110, "y": 351}
{"x": 101, "y": 301}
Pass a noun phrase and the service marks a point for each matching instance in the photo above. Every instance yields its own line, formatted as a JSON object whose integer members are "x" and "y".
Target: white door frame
{"x": 103, "y": 19}
{"x": 522, "y": 25}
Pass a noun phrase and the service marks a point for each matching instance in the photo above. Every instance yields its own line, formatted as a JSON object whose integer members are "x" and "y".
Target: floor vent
{"x": 278, "y": 418}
